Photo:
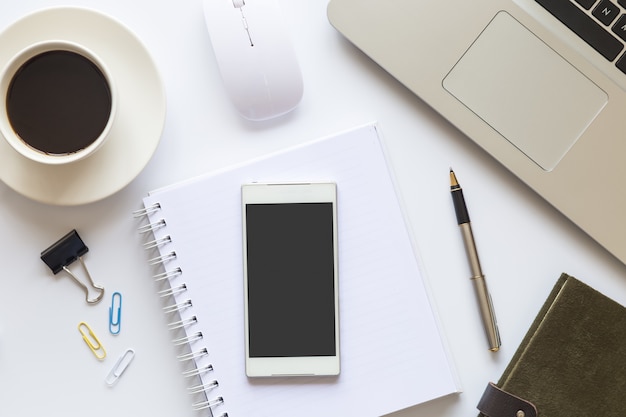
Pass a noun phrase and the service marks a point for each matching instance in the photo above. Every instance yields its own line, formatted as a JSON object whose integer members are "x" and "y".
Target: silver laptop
{"x": 538, "y": 84}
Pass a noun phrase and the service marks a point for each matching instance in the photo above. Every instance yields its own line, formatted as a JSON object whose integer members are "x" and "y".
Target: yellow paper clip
{"x": 92, "y": 341}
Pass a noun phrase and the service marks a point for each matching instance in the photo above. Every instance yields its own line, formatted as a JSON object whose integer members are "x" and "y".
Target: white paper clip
{"x": 120, "y": 366}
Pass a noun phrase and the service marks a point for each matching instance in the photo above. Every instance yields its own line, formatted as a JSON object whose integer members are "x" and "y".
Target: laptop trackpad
{"x": 525, "y": 91}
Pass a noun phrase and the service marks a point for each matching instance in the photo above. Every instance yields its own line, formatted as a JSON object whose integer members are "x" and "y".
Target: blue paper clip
{"x": 115, "y": 324}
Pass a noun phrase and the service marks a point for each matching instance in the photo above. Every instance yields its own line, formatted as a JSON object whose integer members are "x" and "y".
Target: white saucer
{"x": 140, "y": 117}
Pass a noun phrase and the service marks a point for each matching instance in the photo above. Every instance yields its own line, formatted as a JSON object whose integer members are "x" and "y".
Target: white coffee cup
{"x": 59, "y": 102}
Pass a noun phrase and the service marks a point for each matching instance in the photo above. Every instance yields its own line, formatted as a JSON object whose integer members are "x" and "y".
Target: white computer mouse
{"x": 255, "y": 56}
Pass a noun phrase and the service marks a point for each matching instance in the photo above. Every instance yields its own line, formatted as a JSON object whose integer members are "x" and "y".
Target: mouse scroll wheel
{"x": 239, "y": 3}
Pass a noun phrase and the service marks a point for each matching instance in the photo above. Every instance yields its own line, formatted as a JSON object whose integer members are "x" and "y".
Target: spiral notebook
{"x": 392, "y": 351}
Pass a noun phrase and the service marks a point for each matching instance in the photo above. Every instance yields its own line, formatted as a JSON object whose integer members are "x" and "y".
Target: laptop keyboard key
{"x": 584, "y": 26}
{"x": 620, "y": 27}
{"x": 621, "y": 64}
{"x": 606, "y": 12}
{"x": 587, "y": 3}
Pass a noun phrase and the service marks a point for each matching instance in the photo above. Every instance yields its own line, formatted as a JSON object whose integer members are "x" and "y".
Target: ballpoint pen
{"x": 480, "y": 286}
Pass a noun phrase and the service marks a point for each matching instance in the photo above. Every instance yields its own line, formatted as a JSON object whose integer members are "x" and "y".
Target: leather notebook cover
{"x": 572, "y": 361}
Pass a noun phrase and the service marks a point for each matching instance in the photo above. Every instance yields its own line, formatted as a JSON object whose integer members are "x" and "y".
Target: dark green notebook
{"x": 572, "y": 361}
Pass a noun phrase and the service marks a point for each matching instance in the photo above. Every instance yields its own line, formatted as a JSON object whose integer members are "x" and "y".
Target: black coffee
{"x": 58, "y": 102}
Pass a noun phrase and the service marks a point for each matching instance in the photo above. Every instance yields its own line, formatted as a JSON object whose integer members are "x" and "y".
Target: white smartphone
{"x": 291, "y": 297}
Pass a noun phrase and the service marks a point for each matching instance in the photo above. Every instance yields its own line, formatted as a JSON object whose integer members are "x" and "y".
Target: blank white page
{"x": 392, "y": 355}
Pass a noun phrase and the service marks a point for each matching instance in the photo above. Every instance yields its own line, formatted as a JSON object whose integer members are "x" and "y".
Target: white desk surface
{"x": 524, "y": 243}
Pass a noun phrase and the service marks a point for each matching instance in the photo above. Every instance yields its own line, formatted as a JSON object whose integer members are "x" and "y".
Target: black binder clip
{"x": 65, "y": 251}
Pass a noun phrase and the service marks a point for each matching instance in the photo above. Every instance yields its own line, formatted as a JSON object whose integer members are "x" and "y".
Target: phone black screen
{"x": 291, "y": 294}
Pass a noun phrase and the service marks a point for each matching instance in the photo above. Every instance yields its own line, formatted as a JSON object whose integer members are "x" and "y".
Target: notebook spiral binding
{"x": 169, "y": 276}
